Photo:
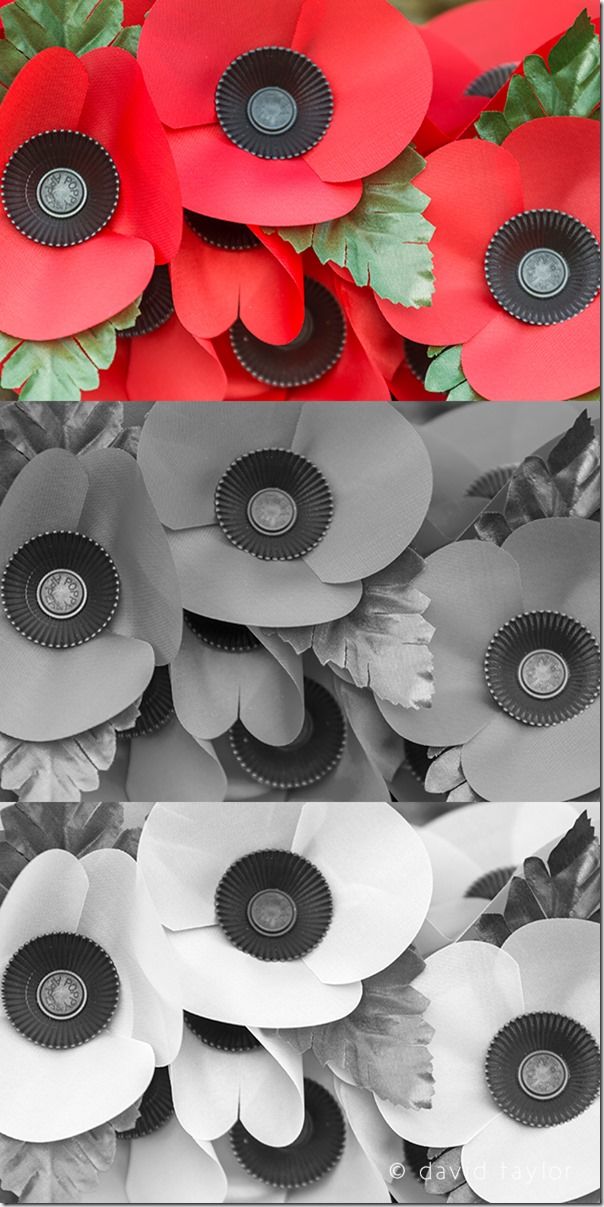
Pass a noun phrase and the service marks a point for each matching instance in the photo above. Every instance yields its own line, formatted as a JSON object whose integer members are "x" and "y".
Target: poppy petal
{"x": 170, "y": 363}
{"x": 559, "y": 159}
{"x": 48, "y": 94}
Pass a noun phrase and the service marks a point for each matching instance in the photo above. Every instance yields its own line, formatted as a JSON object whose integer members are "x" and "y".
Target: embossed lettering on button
{"x": 61, "y": 994}
{"x": 61, "y": 593}
{"x": 61, "y": 192}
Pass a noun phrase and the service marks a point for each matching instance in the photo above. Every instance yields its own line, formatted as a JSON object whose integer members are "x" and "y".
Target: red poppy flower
{"x": 475, "y": 49}
{"x": 345, "y": 350}
{"x": 516, "y": 260}
{"x": 158, "y": 358}
{"x": 276, "y": 110}
{"x": 88, "y": 183}
{"x": 225, "y": 271}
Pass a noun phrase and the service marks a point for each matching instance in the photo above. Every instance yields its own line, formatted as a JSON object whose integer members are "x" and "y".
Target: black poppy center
{"x": 489, "y": 483}
{"x": 543, "y": 1069}
{"x": 490, "y": 883}
{"x": 543, "y": 266}
{"x": 309, "y": 758}
{"x": 60, "y": 990}
{"x": 156, "y": 707}
{"x": 221, "y": 634}
{"x": 274, "y": 102}
{"x": 416, "y": 760}
{"x": 274, "y": 905}
{"x": 155, "y": 1109}
{"x": 226, "y": 1037}
{"x": 489, "y": 82}
{"x": 60, "y": 589}
{"x": 60, "y": 188}
{"x": 310, "y": 1157}
{"x": 417, "y": 359}
{"x": 273, "y": 504}
{"x": 155, "y": 307}
{"x": 228, "y": 236}
{"x": 543, "y": 668}
{"x": 305, "y": 359}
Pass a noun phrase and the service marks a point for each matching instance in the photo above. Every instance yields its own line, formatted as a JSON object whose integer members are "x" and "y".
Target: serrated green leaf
{"x": 566, "y": 885}
{"x": 383, "y": 240}
{"x": 383, "y": 1044}
{"x": 61, "y": 770}
{"x": 78, "y": 25}
{"x": 62, "y": 370}
{"x": 128, "y": 39}
{"x": 57, "y": 1172}
{"x": 445, "y": 371}
{"x": 568, "y": 85}
{"x": 383, "y": 644}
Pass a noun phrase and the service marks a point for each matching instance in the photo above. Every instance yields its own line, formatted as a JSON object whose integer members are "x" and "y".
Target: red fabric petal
{"x": 56, "y": 291}
{"x": 382, "y": 344}
{"x": 505, "y": 31}
{"x": 112, "y": 384}
{"x": 406, "y": 387}
{"x": 186, "y": 45}
{"x": 474, "y": 186}
{"x": 169, "y": 363}
{"x": 241, "y": 386}
{"x": 450, "y": 110}
{"x": 48, "y": 94}
{"x": 218, "y": 179}
{"x": 380, "y": 75}
{"x": 559, "y": 159}
{"x": 354, "y": 377}
{"x": 510, "y": 361}
{"x": 118, "y": 111}
{"x": 135, "y": 11}
{"x": 213, "y": 287}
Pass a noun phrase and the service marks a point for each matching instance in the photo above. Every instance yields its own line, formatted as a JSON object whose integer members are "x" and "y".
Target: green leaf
{"x": 568, "y": 85}
{"x": 57, "y": 1172}
{"x": 446, "y": 376}
{"x": 383, "y": 644}
{"x": 566, "y": 885}
{"x": 382, "y": 1045}
{"x": 383, "y": 240}
{"x": 63, "y": 769}
{"x": 27, "y": 830}
{"x": 565, "y": 483}
{"x": 78, "y": 25}
{"x": 61, "y": 370}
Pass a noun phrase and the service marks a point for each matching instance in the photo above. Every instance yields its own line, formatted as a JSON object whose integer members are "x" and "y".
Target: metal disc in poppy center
{"x": 156, "y": 707}
{"x": 310, "y": 1157}
{"x": 274, "y": 905}
{"x": 308, "y": 357}
{"x": 228, "y": 236}
{"x": 226, "y": 1037}
{"x": 543, "y": 668}
{"x": 309, "y": 758}
{"x": 156, "y": 305}
{"x": 221, "y": 634}
{"x": 60, "y": 188}
{"x": 60, "y": 589}
{"x": 543, "y": 266}
{"x": 60, "y": 990}
{"x": 274, "y": 102}
{"x": 155, "y": 1109}
{"x": 543, "y": 1069}
{"x": 273, "y": 504}
{"x": 489, "y": 82}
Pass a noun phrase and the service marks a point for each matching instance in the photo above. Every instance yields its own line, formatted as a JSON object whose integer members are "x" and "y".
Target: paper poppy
{"x": 516, "y": 1062}
{"x": 157, "y": 1161}
{"x": 275, "y": 115}
{"x": 246, "y": 1075}
{"x": 73, "y": 128}
{"x": 516, "y": 661}
{"x": 326, "y": 1164}
{"x": 516, "y": 260}
{"x": 344, "y": 350}
{"x": 268, "y": 897}
{"x": 89, "y": 598}
{"x": 331, "y": 756}
{"x": 474, "y": 851}
{"x": 225, "y": 271}
{"x": 474, "y": 52}
{"x": 158, "y": 358}
{"x": 89, "y": 998}
{"x": 274, "y": 511}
